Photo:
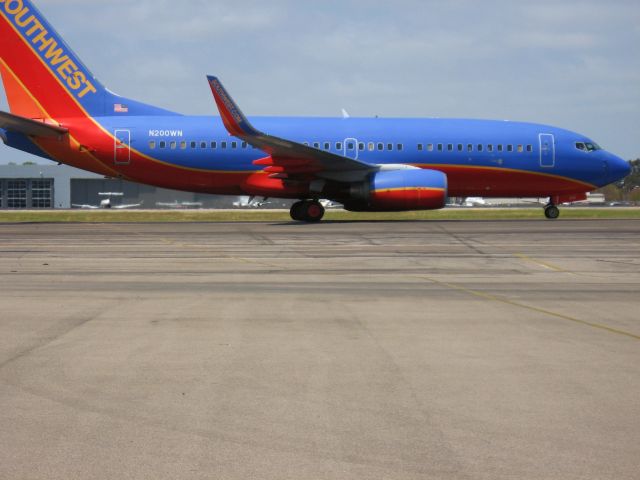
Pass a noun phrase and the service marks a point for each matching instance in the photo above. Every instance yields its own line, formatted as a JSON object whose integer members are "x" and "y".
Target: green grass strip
{"x": 160, "y": 216}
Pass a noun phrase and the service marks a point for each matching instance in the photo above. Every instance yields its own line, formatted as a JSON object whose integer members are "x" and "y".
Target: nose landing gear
{"x": 310, "y": 211}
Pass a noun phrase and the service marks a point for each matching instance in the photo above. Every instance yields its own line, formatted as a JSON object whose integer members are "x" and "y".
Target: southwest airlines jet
{"x": 61, "y": 112}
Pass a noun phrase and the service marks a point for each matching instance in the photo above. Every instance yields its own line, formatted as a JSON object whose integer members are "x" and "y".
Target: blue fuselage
{"x": 480, "y": 146}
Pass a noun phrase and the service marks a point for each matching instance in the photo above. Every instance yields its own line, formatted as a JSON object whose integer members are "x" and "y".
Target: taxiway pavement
{"x": 396, "y": 350}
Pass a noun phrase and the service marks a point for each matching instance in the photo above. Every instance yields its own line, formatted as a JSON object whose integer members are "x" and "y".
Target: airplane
{"x": 250, "y": 202}
{"x": 499, "y": 201}
{"x": 179, "y": 205}
{"x": 329, "y": 204}
{"x": 60, "y": 111}
{"x": 474, "y": 202}
{"x": 106, "y": 203}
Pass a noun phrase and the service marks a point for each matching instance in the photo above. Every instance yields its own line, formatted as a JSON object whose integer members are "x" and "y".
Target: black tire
{"x": 296, "y": 211}
{"x": 309, "y": 211}
{"x": 551, "y": 212}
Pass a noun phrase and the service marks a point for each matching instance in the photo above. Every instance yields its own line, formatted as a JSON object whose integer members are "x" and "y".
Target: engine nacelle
{"x": 400, "y": 190}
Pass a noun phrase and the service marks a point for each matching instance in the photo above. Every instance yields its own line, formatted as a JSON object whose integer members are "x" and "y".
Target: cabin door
{"x": 122, "y": 147}
{"x": 351, "y": 148}
{"x": 547, "y": 150}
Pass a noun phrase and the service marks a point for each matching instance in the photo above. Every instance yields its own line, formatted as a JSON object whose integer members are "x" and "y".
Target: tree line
{"x": 627, "y": 189}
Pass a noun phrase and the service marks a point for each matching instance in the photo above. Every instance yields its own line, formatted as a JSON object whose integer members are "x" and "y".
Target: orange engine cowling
{"x": 400, "y": 190}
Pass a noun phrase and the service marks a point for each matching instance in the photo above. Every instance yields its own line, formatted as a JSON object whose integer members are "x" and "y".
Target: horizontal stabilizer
{"x": 26, "y": 126}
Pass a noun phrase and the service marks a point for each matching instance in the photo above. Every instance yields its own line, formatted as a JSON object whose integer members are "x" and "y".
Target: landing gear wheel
{"x": 551, "y": 212}
{"x": 313, "y": 212}
{"x": 307, "y": 211}
{"x": 296, "y": 211}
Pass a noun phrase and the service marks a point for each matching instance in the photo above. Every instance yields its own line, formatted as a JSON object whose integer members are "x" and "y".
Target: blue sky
{"x": 569, "y": 63}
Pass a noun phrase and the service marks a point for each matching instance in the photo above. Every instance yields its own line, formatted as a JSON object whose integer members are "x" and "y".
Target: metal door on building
{"x": 547, "y": 150}
{"x": 122, "y": 147}
{"x": 26, "y": 193}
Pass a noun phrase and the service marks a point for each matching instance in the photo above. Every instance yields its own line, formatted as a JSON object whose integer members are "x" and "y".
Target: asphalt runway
{"x": 372, "y": 350}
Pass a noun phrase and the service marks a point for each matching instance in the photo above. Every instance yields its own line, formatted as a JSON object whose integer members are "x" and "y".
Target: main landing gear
{"x": 551, "y": 211}
{"x": 310, "y": 211}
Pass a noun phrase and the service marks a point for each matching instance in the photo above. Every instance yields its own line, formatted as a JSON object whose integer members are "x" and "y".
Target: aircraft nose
{"x": 618, "y": 168}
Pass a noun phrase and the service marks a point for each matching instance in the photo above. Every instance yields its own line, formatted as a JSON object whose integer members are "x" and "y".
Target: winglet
{"x": 232, "y": 117}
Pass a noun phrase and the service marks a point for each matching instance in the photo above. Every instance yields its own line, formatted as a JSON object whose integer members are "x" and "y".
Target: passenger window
{"x": 470, "y": 148}
{"x": 173, "y": 145}
{"x": 244, "y": 144}
{"x": 163, "y": 144}
{"x": 371, "y": 146}
{"x": 203, "y": 144}
{"x": 338, "y": 146}
{"x": 399, "y": 147}
{"x": 305, "y": 143}
{"x": 460, "y": 147}
{"x": 419, "y": 147}
{"x": 223, "y": 145}
{"x": 529, "y": 148}
{"x": 489, "y": 148}
{"x": 350, "y": 146}
{"x": 380, "y": 146}
{"x": 316, "y": 144}
{"x": 440, "y": 147}
{"x": 430, "y": 147}
{"x": 361, "y": 146}
{"x": 152, "y": 144}
{"x": 234, "y": 144}
{"x": 520, "y": 150}
{"x": 327, "y": 146}
{"x": 450, "y": 147}
{"x": 499, "y": 148}
{"x": 389, "y": 146}
{"x": 509, "y": 148}
{"x": 480, "y": 147}
{"x": 193, "y": 144}
{"x": 213, "y": 145}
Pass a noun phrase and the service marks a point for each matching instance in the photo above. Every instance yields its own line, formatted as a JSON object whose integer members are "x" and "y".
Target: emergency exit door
{"x": 122, "y": 147}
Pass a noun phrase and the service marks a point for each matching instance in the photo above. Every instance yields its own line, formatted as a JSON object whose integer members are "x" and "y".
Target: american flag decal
{"x": 120, "y": 108}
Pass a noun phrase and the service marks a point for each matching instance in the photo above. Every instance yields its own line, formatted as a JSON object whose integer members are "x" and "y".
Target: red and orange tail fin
{"x": 42, "y": 76}
{"x": 20, "y": 101}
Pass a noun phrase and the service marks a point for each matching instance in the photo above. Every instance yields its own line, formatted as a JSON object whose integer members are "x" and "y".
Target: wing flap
{"x": 27, "y": 126}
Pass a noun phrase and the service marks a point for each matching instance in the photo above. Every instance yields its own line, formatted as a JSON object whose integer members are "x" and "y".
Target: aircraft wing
{"x": 16, "y": 123}
{"x": 286, "y": 157}
{"x": 86, "y": 207}
{"x": 123, "y": 207}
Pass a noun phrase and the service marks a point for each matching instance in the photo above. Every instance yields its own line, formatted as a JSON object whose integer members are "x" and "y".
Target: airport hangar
{"x": 35, "y": 186}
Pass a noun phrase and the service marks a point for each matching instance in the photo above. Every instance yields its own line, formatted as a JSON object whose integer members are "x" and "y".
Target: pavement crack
{"x": 461, "y": 240}
{"x": 50, "y": 336}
